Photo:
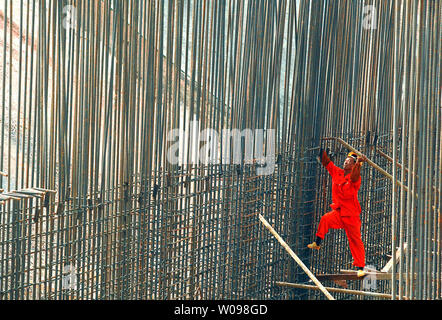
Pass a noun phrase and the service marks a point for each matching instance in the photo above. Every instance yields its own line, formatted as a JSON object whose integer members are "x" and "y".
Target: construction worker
{"x": 345, "y": 207}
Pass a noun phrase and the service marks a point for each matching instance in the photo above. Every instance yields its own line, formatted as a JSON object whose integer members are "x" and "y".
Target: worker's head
{"x": 350, "y": 161}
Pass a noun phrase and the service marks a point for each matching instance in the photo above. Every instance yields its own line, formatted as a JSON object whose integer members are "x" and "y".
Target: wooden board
{"x": 353, "y": 276}
{"x": 389, "y": 264}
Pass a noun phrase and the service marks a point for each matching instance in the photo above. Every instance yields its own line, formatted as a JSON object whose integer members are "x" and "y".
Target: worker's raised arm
{"x": 327, "y": 163}
{"x": 356, "y": 171}
{"x": 325, "y": 160}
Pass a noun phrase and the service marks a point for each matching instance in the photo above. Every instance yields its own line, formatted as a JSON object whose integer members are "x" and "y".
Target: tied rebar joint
{"x": 238, "y": 170}
{"x": 367, "y": 139}
{"x": 100, "y": 204}
{"x": 279, "y": 159}
{"x": 46, "y": 201}
{"x": 37, "y": 215}
{"x": 141, "y": 197}
{"x": 187, "y": 182}
{"x": 126, "y": 191}
{"x": 60, "y": 208}
{"x": 168, "y": 180}
{"x": 208, "y": 185}
{"x": 155, "y": 191}
{"x": 375, "y": 140}
{"x": 90, "y": 205}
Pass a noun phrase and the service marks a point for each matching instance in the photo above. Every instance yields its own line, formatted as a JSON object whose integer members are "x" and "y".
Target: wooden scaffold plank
{"x": 337, "y": 290}
{"x": 295, "y": 257}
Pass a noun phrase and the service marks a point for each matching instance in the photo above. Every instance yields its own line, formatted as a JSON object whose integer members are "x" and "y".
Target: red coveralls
{"x": 345, "y": 211}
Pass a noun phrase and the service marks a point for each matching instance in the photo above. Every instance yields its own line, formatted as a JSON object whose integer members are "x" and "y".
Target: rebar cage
{"x": 192, "y": 235}
{"x": 183, "y": 237}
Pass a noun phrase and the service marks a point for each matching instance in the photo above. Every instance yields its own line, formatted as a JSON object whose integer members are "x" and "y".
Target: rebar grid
{"x": 206, "y": 247}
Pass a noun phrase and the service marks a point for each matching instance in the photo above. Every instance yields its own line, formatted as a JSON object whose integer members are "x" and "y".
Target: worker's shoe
{"x": 313, "y": 246}
{"x": 361, "y": 273}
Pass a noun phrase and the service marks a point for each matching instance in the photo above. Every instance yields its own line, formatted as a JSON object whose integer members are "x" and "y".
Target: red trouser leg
{"x": 352, "y": 226}
{"x": 330, "y": 220}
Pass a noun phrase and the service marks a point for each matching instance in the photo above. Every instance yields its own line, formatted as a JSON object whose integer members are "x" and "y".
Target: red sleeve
{"x": 331, "y": 168}
{"x": 355, "y": 174}
{"x": 325, "y": 159}
{"x": 356, "y": 184}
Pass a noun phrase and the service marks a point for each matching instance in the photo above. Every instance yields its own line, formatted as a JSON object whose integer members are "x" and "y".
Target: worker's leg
{"x": 352, "y": 226}
{"x": 330, "y": 220}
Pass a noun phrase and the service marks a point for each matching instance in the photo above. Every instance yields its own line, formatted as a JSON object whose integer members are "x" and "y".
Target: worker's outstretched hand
{"x": 324, "y": 159}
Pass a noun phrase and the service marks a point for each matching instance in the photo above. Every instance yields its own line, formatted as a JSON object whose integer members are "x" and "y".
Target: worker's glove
{"x": 323, "y": 158}
{"x": 361, "y": 159}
